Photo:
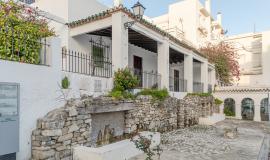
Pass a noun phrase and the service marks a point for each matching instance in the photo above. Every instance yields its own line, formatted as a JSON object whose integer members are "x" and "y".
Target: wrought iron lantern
{"x": 138, "y": 11}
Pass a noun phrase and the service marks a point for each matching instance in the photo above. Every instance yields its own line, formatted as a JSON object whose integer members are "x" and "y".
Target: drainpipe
{"x": 268, "y": 104}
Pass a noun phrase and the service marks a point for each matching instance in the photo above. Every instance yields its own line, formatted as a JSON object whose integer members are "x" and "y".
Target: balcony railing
{"x": 198, "y": 87}
{"x": 28, "y": 1}
{"x": 19, "y": 47}
{"x": 178, "y": 85}
{"x": 77, "y": 62}
{"x": 147, "y": 79}
{"x": 210, "y": 88}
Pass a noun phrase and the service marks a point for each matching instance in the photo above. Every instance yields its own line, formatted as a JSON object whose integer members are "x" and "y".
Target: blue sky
{"x": 239, "y": 16}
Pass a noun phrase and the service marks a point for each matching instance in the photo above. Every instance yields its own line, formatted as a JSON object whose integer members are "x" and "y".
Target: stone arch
{"x": 247, "y": 109}
{"x": 229, "y": 107}
{"x": 264, "y": 110}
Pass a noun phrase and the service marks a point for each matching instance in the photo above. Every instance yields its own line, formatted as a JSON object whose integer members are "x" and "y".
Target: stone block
{"x": 73, "y": 128}
{"x": 65, "y": 137}
{"x": 51, "y": 133}
{"x": 42, "y": 155}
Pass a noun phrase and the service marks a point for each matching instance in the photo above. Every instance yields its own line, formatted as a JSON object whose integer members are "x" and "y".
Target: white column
{"x": 257, "y": 111}
{"x": 188, "y": 72}
{"x": 163, "y": 63}
{"x": 238, "y": 109}
{"x": 204, "y": 75}
{"x": 119, "y": 41}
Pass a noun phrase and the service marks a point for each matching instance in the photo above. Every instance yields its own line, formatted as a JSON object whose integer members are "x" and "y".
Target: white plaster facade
{"x": 40, "y": 89}
{"x": 77, "y": 38}
{"x": 192, "y": 22}
{"x": 254, "y": 83}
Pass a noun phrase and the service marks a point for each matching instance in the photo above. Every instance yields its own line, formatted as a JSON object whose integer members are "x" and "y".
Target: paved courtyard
{"x": 209, "y": 143}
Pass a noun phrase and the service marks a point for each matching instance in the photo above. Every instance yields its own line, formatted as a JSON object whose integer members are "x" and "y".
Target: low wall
{"x": 72, "y": 125}
{"x": 89, "y": 122}
{"x": 169, "y": 115}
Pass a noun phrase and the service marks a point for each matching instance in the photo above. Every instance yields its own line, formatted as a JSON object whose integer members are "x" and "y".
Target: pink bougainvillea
{"x": 225, "y": 57}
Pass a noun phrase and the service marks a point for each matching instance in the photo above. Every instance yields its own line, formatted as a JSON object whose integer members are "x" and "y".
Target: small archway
{"x": 229, "y": 107}
{"x": 247, "y": 109}
{"x": 264, "y": 110}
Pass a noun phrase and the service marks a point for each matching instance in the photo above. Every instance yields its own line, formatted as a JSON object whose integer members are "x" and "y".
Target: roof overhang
{"x": 104, "y": 18}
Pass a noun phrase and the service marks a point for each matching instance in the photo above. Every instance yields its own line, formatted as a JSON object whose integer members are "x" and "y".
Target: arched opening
{"x": 264, "y": 110}
{"x": 247, "y": 109}
{"x": 229, "y": 107}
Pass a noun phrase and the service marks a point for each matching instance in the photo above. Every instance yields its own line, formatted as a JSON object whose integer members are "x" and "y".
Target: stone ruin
{"x": 96, "y": 121}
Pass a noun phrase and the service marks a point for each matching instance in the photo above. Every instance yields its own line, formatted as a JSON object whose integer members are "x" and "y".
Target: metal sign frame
{"x": 10, "y": 127}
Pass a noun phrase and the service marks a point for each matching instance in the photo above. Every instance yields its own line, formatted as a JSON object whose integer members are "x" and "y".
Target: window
{"x": 98, "y": 56}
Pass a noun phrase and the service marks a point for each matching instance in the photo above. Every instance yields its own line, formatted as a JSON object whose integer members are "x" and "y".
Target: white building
{"x": 95, "y": 41}
{"x": 158, "y": 58}
{"x": 191, "y": 22}
{"x": 248, "y": 97}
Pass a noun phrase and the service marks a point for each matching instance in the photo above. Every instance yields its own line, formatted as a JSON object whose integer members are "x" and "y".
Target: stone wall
{"x": 62, "y": 129}
{"x": 90, "y": 121}
{"x": 168, "y": 115}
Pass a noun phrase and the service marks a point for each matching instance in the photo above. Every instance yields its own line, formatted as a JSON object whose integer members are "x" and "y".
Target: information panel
{"x": 9, "y": 118}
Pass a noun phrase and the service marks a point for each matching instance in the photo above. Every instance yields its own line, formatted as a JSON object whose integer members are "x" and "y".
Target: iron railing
{"x": 77, "y": 62}
{"x": 28, "y": 1}
{"x": 147, "y": 79}
{"x": 178, "y": 85}
{"x": 20, "y": 47}
{"x": 210, "y": 88}
{"x": 198, "y": 87}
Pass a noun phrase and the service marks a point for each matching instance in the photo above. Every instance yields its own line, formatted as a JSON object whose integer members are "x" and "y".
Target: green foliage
{"x": 21, "y": 29}
{"x": 218, "y": 101}
{"x": 65, "y": 83}
{"x": 200, "y": 94}
{"x": 143, "y": 143}
{"x": 121, "y": 95}
{"x": 124, "y": 80}
{"x": 155, "y": 93}
{"x": 228, "y": 112}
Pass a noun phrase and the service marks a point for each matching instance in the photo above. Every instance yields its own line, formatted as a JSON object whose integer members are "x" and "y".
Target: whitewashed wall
{"x": 149, "y": 58}
{"x": 197, "y": 72}
{"x": 238, "y": 97}
{"x": 40, "y": 90}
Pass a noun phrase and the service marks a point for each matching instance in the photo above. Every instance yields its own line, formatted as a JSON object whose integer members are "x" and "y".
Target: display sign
{"x": 9, "y": 118}
{"x": 8, "y": 100}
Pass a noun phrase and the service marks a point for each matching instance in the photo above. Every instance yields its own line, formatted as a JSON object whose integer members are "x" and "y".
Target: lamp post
{"x": 138, "y": 11}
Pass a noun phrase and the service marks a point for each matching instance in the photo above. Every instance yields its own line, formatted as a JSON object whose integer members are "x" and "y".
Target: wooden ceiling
{"x": 134, "y": 37}
{"x": 176, "y": 56}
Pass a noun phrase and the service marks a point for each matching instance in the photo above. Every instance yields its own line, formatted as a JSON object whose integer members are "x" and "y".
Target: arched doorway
{"x": 247, "y": 107}
{"x": 264, "y": 110}
{"x": 229, "y": 107}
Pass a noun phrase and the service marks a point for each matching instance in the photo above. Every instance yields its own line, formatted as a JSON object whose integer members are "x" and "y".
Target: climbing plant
{"x": 21, "y": 31}
{"x": 225, "y": 58}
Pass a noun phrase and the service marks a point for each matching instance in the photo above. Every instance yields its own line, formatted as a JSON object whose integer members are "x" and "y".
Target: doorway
{"x": 138, "y": 69}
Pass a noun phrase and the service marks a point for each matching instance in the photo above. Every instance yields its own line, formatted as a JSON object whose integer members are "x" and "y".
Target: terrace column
{"x": 163, "y": 63}
{"x": 204, "y": 76}
{"x": 238, "y": 108}
{"x": 257, "y": 110}
{"x": 188, "y": 72}
{"x": 119, "y": 41}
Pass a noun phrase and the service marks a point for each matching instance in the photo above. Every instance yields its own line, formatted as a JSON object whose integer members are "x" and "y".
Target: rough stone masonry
{"x": 64, "y": 128}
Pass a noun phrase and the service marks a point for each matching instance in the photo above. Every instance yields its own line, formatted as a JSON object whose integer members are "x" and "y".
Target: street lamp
{"x": 138, "y": 11}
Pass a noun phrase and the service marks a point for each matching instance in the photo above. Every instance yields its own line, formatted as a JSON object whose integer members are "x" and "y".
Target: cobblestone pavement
{"x": 208, "y": 142}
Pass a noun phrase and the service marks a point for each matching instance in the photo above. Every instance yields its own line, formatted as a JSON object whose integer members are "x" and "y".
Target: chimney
{"x": 208, "y": 6}
{"x": 117, "y": 3}
{"x": 219, "y": 18}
